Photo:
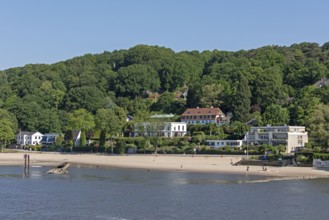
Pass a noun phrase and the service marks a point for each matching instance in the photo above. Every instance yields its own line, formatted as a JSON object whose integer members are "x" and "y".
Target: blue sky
{"x": 48, "y": 31}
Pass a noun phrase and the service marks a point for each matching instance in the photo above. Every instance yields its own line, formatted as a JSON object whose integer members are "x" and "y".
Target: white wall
{"x": 223, "y": 143}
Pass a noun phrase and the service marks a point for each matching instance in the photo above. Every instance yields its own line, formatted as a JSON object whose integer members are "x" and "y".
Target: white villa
{"x": 293, "y": 137}
{"x": 160, "y": 129}
{"x": 28, "y": 138}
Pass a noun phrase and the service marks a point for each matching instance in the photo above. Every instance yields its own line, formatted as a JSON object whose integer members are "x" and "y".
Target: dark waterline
{"x": 91, "y": 193}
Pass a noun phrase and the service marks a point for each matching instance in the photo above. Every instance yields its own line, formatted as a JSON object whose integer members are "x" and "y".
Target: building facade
{"x": 160, "y": 129}
{"x": 28, "y": 138}
{"x": 204, "y": 116}
{"x": 224, "y": 143}
{"x": 49, "y": 139}
{"x": 293, "y": 137}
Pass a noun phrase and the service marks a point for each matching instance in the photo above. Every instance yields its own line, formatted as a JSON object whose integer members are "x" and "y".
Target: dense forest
{"x": 274, "y": 85}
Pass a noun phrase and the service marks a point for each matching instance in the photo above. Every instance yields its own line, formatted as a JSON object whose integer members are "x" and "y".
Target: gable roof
{"x": 27, "y": 133}
{"x": 75, "y": 134}
{"x": 202, "y": 111}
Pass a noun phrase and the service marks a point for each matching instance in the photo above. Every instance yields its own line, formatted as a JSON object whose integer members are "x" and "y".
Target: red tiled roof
{"x": 202, "y": 111}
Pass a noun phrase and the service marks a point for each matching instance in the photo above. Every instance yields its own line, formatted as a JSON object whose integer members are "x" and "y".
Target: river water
{"x": 114, "y": 194}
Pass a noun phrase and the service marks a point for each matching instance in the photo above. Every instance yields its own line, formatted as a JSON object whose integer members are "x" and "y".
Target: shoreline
{"x": 172, "y": 163}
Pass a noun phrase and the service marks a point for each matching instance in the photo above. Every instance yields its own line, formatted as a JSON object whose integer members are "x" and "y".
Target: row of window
{"x": 198, "y": 116}
{"x": 29, "y": 137}
{"x": 199, "y": 122}
{"x": 179, "y": 128}
{"x": 280, "y": 130}
{"x": 224, "y": 144}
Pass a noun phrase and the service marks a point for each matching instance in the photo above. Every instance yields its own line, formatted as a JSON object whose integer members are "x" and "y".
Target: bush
{"x": 321, "y": 156}
{"x": 120, "y": 147}
{"x": 36, "y": 147}
{"x": 301, "y": 158}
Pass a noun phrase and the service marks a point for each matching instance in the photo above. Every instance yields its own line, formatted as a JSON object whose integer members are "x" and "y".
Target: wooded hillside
{"x": 273, "y": 85}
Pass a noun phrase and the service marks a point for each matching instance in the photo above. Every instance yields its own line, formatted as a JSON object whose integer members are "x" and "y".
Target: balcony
{"x": 283, "y": 137}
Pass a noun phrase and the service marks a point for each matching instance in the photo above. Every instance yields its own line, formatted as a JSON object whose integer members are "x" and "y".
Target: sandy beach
{"x": 177, "y": 163}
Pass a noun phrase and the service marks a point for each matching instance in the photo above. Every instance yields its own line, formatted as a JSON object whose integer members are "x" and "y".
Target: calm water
{"x": 91, "y": 193}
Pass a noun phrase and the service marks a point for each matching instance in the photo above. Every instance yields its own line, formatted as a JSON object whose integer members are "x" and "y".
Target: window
{"x": 182, "y": 128}
{"x": 178, "y": 128}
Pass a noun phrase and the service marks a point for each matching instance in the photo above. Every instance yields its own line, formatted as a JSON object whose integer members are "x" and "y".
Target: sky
{"x": 49, "y": 31}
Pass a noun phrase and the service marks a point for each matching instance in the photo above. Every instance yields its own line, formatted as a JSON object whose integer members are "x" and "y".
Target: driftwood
{"x": 60, "y": 169}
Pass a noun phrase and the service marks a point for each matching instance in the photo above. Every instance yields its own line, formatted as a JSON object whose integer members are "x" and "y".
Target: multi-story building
{"x": 293, "y": 137}
{"x": 28, "y": 138}
{"x": 224, "y": 143}
{"x": 160, "y": 129}
{"x": 204, "y": 116}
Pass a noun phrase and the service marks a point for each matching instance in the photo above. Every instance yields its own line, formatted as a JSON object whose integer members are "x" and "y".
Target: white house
{"x": 293, "y": 137}
{"x": 28, "y": 138}
{"x": 224, "y": 143}
{"x": 160, "y": 129}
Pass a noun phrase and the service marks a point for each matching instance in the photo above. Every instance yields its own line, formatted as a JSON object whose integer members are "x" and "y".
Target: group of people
{"x": 264, "y": 168}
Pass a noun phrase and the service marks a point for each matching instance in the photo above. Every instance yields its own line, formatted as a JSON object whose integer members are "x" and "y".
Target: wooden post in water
{"x": 25, "y": 161}
{"x": 28, "y": 163}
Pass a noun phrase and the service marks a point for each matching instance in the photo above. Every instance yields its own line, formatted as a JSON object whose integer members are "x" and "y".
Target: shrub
{"x": 321, "y": 156}
{"x": 120, "y": 147}
{"x": 301, "y": 158}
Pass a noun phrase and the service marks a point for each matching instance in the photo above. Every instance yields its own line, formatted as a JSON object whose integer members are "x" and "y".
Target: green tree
{"x": 6, "y": 132}
{"x": 241, "y": 100}
{"x": 276, "y": 115}
{"x": 303, "y": 106}
{"x": 8, "y": 127}
{"x": 194, "y": 95}
{"x": 28, "y": 114}
{"x": 211, "y": 95}
{"x": 318, "y": 125}
{"x": 87, "y": 97}
{"x": 133, "y": 80}
{"x": 81, "y": 120}
{"x": 164, "y": 103}
{"x": 49, "y": 121}
{"x": 50, "y": 94}
{"x": 110, "y": 122}
{"x": 266, "y": 87}
{"x": 238, "y": 129}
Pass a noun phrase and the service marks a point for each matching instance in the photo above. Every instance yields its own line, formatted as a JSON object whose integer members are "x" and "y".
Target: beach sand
{"x": 177, "y": 163}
